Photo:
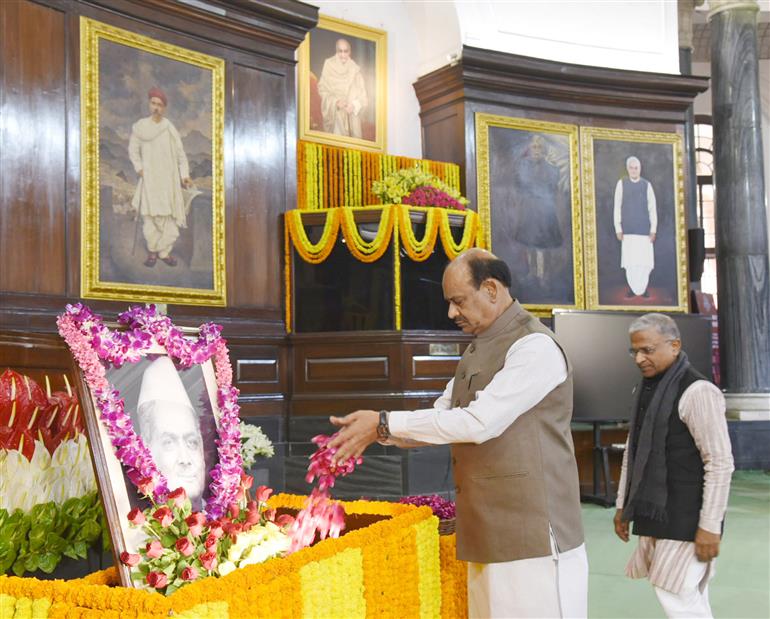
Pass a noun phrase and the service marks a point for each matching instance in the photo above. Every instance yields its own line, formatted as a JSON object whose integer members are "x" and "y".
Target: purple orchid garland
{"x": 93, "y": 345}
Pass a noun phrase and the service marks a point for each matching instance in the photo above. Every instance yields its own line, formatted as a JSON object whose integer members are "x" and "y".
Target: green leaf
{"x": 36, "y": 537}
{"x": 55, "y": 543}
{"x": 168, "y": 540}
{"x": 49, "y": 561}
{"x": 89, "y": 532}
{"x": 81, "y": 549}
{"x": 70, "y": 552}
{"x": 19, "y": 566}
{"x": 32, "y": 562}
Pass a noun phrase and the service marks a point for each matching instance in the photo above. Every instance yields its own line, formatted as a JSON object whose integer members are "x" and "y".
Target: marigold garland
{"x": 318, "y": 252}
{"x": 452, "y": 249}
{"x": 398, "y": 557}
{"x": 419, "y": 251}
{"x": 361, "y": 249}
{"x": 331, "y": 176}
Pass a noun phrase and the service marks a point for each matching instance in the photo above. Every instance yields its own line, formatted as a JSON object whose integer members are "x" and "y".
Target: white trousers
{"x": 160, "y": 233}
{"x": 550, "y": 587}
{"x": 693, "y": 599}
{"x": 638, "y": 259}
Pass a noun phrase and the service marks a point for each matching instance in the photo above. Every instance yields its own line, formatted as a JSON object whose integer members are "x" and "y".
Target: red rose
{"x": 154, "y": 549}
{"x": 179, "y": 496}
{"x": 146, "y": 485}
{"x": 284, "y": 520}
{"x": 136, "y": 516}
{"x": 208, "y": 560}
{"x": 215, "y": 529}
{"x": 157, "y": 580}
{"x": 195, "y": 521}
{"x": 234, "y": 510}
{"x": 164, "y": 516}
{"x": 211, "y": 542}
{"x": 190, "y": 573}
{"x": 184, "y": 546}
{"x": 128, "y": 559}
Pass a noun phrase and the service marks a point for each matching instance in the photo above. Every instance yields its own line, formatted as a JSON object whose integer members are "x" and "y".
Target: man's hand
{"x": 187, "y": 182}
{"x": 358, "y": 431}
{"x": 621, "y": 526}
{"x": 342, "y": 104}
{"x": 141, "y": 173}
{"x": 652, "y": 237}
{"x": 706, "y": 545}
{"x": 619, "y": 235}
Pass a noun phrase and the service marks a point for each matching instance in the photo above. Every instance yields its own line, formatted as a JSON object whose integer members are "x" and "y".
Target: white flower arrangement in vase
{"x": 254, "y": 444}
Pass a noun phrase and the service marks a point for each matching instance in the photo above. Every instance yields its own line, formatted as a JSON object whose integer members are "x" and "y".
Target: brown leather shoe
{"x": 170, "y": 261}
{"x": 151, "y": 260}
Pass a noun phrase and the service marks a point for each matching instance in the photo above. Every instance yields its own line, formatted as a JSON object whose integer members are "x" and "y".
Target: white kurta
{"x": 342, "y": 81}
{"x": 156, "y": 150}
{"x": 637, "y": 257}
{"x": 552, "y": 586}
{"x": 671, "y": 565}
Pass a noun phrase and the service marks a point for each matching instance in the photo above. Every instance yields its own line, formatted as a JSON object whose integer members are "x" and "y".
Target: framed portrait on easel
{"x": 634, "y": 221}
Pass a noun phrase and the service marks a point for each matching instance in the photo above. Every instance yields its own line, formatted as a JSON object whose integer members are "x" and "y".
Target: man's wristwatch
{"x": 383, "y": 431}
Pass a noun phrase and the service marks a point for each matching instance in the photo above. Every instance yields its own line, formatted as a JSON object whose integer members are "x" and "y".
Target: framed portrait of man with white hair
{"x": 634, "y": 220}
{"x": 174, "y": 411}
{"x": 342, "y": 85}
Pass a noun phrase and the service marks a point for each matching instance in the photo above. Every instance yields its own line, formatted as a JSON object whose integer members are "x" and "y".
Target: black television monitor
{"x": 603, "y": 372}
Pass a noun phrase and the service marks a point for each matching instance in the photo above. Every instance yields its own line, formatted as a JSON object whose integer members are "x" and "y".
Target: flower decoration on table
{"x": 49, "y": 507}
{"x": 254, "y": 444}
{"x": 443, "y": 508}
{"x": 183, "y": 545}
{"x": 320, "y": 516}
{"x": 416, "y": 187}
{"x": 94, "y": 346}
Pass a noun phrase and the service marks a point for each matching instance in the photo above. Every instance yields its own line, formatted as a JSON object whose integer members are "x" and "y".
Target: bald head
{"x": 476, "y": 286}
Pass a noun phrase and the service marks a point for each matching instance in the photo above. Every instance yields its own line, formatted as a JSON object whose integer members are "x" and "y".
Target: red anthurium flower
{"x": 246, "y": 481}
{"x": 129, "y": 559}
{"x": 136, "y": 516}
{"x": 184, "y": 546}
{"x": 263, "y": 493}
{"x": 164, "y": 516}
{"x": 208, "y": 560}
{"x": 154, "y": 549}
{"x": 190, "y": 573}
{"x": 179, "y": 496}
{"x": 157, "y": 580}
{"x": 284, "y": 520}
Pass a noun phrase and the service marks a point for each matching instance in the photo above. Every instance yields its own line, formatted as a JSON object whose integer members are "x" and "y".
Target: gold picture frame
{"x": 325, "y": 74}
{"x": 161, "y": 237}
{"x": 638, "y": 273}
{"x": 528, "y": 175}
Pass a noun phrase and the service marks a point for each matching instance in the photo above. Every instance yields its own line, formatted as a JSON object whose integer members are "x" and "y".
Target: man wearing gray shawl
{"x": 676, "y": 471}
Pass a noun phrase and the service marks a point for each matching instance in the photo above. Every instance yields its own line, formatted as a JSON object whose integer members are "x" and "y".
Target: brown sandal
{"x": 170, "y": 261}
{"x": 151, "y": 260}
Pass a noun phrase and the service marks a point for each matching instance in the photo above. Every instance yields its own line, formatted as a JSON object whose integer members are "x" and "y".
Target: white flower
{"x": 254, "y": 443}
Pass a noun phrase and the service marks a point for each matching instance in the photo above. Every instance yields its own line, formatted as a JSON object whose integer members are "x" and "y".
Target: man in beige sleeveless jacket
{"x": 506, "y": 414}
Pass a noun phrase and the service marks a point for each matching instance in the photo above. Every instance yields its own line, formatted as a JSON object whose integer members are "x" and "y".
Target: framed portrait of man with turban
{"x": 342, "y": 85}
{"x": 152, "y": 224}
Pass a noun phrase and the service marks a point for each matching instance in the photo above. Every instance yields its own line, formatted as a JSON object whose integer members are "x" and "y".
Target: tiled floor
{"x": 741, "y": 587}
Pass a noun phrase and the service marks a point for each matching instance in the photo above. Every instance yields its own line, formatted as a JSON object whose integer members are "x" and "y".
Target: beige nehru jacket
{"x": 510, "y": 488}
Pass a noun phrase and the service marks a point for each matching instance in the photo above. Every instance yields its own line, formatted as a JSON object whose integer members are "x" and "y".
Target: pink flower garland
{"x": 93, "y": 345}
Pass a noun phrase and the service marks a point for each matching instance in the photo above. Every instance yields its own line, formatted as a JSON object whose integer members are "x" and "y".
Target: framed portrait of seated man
{"x": 635, "y": 232}
{"x": 154, "y": 414}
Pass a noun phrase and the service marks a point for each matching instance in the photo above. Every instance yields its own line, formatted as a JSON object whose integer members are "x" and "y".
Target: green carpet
{"x": 741, "y": 587}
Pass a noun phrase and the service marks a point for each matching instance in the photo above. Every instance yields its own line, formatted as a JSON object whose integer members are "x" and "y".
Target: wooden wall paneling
{"x": 261, "y": 98}
{"x": 37, "y": 356}
{"x": 32, "y": 148}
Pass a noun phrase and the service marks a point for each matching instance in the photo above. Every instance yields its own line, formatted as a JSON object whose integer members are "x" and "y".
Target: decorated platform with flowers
{"x": 386, "y": 565}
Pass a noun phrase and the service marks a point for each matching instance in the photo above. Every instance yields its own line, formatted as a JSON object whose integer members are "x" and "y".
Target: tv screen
{"x": 603, "y": 372}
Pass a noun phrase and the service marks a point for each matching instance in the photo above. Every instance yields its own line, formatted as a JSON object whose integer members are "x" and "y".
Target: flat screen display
{"x": 603, "y": 372}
